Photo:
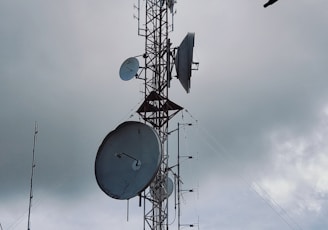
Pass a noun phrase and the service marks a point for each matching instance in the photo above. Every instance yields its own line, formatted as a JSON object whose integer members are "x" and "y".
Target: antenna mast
{"x": 32, "y": 174}
{"x": 157, "y": 109}
{"x": 114, "y": 173}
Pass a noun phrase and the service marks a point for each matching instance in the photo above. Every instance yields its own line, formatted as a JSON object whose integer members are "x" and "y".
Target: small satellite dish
{"x": 128, "y": 160}
{"x": 129, "y": 68}
{"x": 163, "y": 190}
{"x": 183, "y": 60}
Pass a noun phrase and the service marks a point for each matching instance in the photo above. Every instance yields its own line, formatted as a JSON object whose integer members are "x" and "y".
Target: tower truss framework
{"x": 157, "y": 109}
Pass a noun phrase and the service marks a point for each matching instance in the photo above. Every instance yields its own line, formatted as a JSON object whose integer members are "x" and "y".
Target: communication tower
{"x": 133, "y": 159}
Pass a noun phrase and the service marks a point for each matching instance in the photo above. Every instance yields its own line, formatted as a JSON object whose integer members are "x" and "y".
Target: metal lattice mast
{"x": 148, "y": 144}
{"x": 32, "y": 174}
{"x": 157, "y": 109}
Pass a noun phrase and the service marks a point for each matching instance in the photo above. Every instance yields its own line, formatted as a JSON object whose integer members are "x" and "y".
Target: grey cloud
{"x": 260, "y": 71}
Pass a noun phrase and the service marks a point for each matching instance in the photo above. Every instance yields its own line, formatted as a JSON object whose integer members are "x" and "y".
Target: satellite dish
{"x": 163, "y": 190}
{"x": 129, "y": 68}
{"x": 128, "y": 160}
{"x": 183, "y": 60}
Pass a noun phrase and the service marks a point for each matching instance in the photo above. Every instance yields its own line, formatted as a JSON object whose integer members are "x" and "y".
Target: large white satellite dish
{"x": 129, "y": 68}
{"x": 128, "y": 160}
{"x": 183, "y": 60}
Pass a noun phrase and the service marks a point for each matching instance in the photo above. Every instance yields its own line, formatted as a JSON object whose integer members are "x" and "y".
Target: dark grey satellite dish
{"x": 164, "y": 190}
{"x": 128, "y": 160}
{"x": 129, "y": 68}
{"x": 183, "y": 60}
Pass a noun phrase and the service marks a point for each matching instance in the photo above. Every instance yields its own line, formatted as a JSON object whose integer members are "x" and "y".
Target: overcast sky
{"x": 258, "y": 104}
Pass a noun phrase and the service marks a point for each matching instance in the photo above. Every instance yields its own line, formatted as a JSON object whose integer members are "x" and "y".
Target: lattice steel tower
{"x": 157, "y": 109}
{"x": 154, "y": 24}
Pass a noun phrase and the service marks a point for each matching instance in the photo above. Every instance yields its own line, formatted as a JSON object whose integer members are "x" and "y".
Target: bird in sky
{"x": 270, "y": 2}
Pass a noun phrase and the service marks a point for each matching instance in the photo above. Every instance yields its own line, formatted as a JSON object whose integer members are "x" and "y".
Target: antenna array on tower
{"x": 133, "y": 159}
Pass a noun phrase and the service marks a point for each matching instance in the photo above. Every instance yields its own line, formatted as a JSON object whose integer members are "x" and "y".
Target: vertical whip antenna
{"x": 32, "y": 174}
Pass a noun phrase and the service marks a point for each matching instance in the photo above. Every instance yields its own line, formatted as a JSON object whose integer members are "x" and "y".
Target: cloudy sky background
{"x": 258, "y": 104}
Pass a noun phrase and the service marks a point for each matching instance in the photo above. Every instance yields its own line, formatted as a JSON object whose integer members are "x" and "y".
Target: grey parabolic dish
{"x": 128, "y": 160}
{"x": 129, "y": 68}
{"x": 183, "y": 60}
{"x": 164, "y": 190}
